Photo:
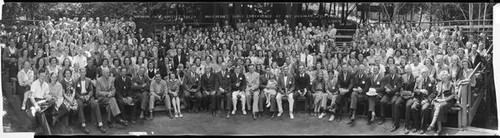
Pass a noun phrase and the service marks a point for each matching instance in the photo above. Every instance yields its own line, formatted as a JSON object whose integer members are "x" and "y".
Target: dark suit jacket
{"x": 290, "y": 86}
{"x": 302, "y": 82}
{"x": 183, "y": 60}
{"x": 476, "y": 61}
{"x": 238, "y": 79}
{"x": 393, "y": 83}
{"x": 346, "y": 83}
{"x": 88, "y": 87}
{"x": 123, "y": 87}
{"x": 377, "y": 82}
{"x": 192, "y": 82}
{"x": 410, "y": 85}
{"x": 362, "y": 81}
{"x": 209, "y": 83}
{"x": 224, "y": 80}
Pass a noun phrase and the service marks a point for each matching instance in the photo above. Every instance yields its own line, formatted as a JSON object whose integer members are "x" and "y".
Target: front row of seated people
{"x": 421, "y": 99}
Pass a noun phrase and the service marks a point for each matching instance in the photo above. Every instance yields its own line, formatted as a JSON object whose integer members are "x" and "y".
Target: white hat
{"x": 371, "y": 92}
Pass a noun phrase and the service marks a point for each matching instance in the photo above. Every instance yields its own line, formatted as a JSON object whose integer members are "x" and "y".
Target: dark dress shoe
{"x": 101, "y": 128}
{"x": 85, "y": 130}
{"x": 133, "y": 121}
{"x": 339, "y": 118}
{"x": 227, "y": 116}
{"x": 273, "y": 115}
{"x": 351, "y": 122}
{"x": 394, "y": 128}
{"x": 254, "y": 117}
{"x": 369, "y": 122}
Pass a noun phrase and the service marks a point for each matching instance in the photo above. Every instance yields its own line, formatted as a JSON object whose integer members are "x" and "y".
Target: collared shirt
{"x": 25, "y": 77}
{"x": 158, "y": 88}
{"x": 39, "y": 89}
{"x": 84, "y": 90}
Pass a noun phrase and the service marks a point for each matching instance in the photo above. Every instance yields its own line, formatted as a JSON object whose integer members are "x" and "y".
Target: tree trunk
{"x": 420, "y": 18}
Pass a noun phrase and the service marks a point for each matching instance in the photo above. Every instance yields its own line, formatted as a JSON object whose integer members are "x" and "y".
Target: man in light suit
{"x": 106, "y": 97}
{"x": 192, "y": 86}
{"x": 252, "y": 88}
{"x": 286, "y": 87}
{"x": 238, "y": 85}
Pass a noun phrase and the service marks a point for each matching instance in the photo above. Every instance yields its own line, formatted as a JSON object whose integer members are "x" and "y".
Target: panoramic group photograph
{"x": 247, "y": 68}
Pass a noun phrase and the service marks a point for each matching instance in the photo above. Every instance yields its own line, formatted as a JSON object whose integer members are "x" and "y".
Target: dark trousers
{"x": 129, "y": 111}
{"x": 210, "y": 101}
{"x": 94, "y": 108}
{"x": 386, "y": 101}
{"x": 415, "y": 114}
{"x": 21, "y": 90}
{"x": 274, "y": 105}
{"x": 397, "y": 107}
{"x": 340, "y": 103}
{"x": 193, "y": 99}
{"x": 225, "y": 101}
{"x": 308, "y": 99}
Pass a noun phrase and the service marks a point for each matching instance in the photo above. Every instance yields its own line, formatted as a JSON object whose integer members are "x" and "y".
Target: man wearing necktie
{"x": 209, "y": 85}
{"x": 344, "y": 85}
{"x": 362, "y": 83}
{"x": 302, "y": 85}
{"x": 424, "y": 90}
{"x": 286, "y": 87}
{"x": 238, "y": 85}
{"x": 392, "y": 85}
{"x": 376, "y": 83}
{"x": 192, "y": 86}
{"x": 224, "y": 87}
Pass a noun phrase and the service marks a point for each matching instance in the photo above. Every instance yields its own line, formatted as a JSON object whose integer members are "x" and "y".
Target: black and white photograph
{"x": 248, "y": 68}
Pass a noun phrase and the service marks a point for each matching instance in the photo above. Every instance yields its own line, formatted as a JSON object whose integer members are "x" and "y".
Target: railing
{"x": 468, "y": 111}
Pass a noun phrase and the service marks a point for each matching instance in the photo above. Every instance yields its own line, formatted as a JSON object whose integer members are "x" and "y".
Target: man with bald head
{"x": 105, "y": 93}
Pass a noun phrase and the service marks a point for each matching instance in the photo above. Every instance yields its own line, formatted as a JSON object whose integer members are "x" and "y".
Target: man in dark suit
{"x": 165, "y": 67}
{"x": 124, "y": 97}
{"x": 392, "y": 86}
{"x": 361, "y": 85}
{"x": 224, "y": 88}
{"x": 303, "y": 82}
{"x": 209, "y": 87}
{"x": 238, "y": 85}
{"x": 345, "y": 83}
{"x": 192, "y": 86}
{"x": 179, "y": 58}
{"x": 474, "y": 56}
{"x": 85, "y": 97}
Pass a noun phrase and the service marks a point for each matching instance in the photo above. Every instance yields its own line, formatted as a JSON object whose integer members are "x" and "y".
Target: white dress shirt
{"x": 39, "y": 89}
{"x": 25, "y": 77}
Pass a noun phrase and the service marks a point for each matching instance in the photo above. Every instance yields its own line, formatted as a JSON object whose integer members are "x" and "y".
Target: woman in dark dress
{"x": 444, "y": 100}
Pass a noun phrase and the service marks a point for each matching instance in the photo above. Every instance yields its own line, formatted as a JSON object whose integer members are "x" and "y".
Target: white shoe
{"x": 244, "y": 112}
{"x": 291, "y": 116}
{"x": 180, "y": 115}
{"x": 331, "y": 118}
{"x": 322, "y": 115}
{"x": 233, "y": 112}
{"x": 279, "y": 114}
{"x": 176, "y": 116}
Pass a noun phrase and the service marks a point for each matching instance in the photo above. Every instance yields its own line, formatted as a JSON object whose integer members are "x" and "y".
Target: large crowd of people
{"x": 62, "y": 66}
